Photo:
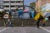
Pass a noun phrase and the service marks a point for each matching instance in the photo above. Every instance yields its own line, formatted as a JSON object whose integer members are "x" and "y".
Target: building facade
{"x": 12, "y": 5}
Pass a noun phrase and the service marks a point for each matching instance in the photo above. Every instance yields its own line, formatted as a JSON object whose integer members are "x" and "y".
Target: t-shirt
{"x": 46, "y": 19}
{"x": 6, "y": 16}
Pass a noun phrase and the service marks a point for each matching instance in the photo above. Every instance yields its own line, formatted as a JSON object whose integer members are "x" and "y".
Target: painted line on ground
{"x": 45, "y": 29}
{"x": 3, "y": 29}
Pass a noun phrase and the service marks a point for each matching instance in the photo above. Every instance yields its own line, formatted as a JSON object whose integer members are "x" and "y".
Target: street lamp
{"x": 1, "y": 3}
{"x": 10, "y": 5}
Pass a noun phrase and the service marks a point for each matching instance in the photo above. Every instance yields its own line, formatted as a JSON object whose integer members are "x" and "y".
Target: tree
{"x": 33, "y": 4}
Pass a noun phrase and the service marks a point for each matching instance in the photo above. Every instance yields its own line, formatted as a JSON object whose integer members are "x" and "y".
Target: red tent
{"x": 26, "y": 10}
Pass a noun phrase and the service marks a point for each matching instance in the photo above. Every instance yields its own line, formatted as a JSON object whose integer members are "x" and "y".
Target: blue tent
{"x": 20, "y": 12}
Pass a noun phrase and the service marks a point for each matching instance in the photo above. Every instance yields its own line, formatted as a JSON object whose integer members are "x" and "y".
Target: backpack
{"x": 38, "y": 17}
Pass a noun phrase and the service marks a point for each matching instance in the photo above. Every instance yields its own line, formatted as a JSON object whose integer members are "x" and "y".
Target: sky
{"x": 27, "y": 2}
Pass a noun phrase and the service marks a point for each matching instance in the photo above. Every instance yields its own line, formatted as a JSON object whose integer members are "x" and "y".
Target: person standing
{"x": 44, "y": 21}
{"x": 6, "y": 18}
{"x": 38, "y": 18}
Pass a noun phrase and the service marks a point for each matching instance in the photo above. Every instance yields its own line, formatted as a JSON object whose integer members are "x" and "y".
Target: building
{"x": 40, "y": 3}
{"x": 12, "y": 5}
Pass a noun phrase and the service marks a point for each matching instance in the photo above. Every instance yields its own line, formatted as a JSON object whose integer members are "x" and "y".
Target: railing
{"x": 15, "y": 21}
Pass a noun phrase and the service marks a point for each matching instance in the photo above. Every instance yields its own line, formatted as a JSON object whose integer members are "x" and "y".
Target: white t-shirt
{"x": 6, "y": 16}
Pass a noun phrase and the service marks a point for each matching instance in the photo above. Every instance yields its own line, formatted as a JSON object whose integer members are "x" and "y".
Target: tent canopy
{"x": 46, "y": 7}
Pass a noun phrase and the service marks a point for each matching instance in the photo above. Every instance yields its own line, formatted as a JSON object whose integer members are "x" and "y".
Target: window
{"x": 19, "y": 5}
{"x": 6, "y": 6}
{"x": 21, "y": 1}
{"x": 18, "y": 1}
{"x": 12, "y": 1}
{"x": 12, "y": 6}
{"x": 6, "y": 1}
{"x": 6, "y": 10}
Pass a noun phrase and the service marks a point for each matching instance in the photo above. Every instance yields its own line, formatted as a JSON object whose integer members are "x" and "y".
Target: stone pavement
{"x": 24, "y": 30}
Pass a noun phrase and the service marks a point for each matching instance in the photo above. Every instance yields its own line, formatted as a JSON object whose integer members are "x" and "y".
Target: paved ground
{"x": 24, "y": 30}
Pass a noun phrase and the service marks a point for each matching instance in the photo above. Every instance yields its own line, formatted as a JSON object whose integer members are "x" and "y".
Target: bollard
{"x": 22, "y": 23}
